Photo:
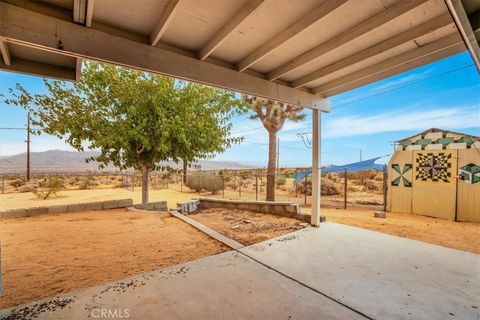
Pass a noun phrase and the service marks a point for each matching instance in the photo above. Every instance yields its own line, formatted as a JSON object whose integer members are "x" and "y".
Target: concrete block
{"x": 14, "y": 213}
{"x": 123, "y": 203}
{"x": 110, "y": 204}
{"x": 29, "y": 212}
{"x": 380, "y": 214}
{"x": 62, "y": 208}
{"x": 160, "y": 205}
{"x": 76, "y": 207}
{"x": 98, "y": 205}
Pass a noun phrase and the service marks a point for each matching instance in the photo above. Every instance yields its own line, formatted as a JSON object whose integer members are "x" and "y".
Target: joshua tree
{"x": 273, "y": 115}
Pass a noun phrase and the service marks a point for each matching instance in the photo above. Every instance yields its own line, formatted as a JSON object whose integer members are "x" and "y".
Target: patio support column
{"x": 316, "y": 161}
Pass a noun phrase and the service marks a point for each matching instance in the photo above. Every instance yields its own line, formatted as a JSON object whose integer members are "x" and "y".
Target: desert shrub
{"x": 370, "y": 185}
{"x": 28, "y": 187}
{"x": 17, "y": 183}
{"x": 280, "y": 181}
{"x": 352, "y": 189}
{"x": 378, "y": 177}
{"x": 205, "y": 183}
{"x": 233, "y": 184}
{"x": 87, "y": 182}
{"x": 328, "y": 187}
{"x": 54, "y": 185}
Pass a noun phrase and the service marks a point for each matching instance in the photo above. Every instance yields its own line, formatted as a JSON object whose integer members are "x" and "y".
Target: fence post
{"x": 256, "y": 185}
{"x": 305, "y": 189}
{"x": 181, "y": 183}
{"x": 345, "y": 190}
{"x": 223, "y": 186}
{"x": 385, "y": 187}
{"x": 3, "y": 183}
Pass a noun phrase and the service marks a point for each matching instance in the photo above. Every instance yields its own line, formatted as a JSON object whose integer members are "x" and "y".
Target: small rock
{"x": 304, "y": 224}
{"x": 235, "y": 227}
{"x": 247, "y": 221}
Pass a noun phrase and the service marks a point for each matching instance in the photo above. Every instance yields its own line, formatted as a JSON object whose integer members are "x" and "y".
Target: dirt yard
{"x": 458, "y": 235}
{"x": 45, "y": 255}
{"x": 246, "y": 227}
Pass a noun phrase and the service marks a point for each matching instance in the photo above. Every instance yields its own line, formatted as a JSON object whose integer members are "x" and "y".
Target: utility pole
{"x": 28, "y": 146}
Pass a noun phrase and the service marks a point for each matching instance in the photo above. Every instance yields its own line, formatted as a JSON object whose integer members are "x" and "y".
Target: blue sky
{"x": 444, "y": 94}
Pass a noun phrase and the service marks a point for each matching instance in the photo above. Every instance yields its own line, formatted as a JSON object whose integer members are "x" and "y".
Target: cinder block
{"x": 160, "y": 205}
{"x": 29, "y": 212}
{"x": 76, "y": 207}
{"x": 14, "y": 213}
{"x": 98, "y": 205}
{"x": 110, "y": 204}
{"x": 123, "y": 203}
{"x": 62, "y": 208}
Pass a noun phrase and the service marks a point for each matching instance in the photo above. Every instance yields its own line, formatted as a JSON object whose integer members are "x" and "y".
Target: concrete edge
{"x": 210, "y": 232}
{"x": 65, "y": 208}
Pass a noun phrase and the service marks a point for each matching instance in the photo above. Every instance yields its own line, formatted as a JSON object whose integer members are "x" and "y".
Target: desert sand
{"x": 49, "y": 254}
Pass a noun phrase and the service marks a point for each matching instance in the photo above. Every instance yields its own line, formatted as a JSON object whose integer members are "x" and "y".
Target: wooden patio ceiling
{"x": 297, "y": 52}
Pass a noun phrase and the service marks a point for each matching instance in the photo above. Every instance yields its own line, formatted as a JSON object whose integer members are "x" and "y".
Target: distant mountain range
{"x": 63, "y": 161}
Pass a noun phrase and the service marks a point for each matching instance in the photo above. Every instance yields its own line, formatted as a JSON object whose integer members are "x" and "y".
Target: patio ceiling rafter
{"x": 230, "y": 27}
{"x": 346, "y": 36}
{"x": 55, "y": 35}
{"x": 167, "y": 17}
{"x": 83, "y": 12}
{"x": 7, "y": 57}
{"x": 465, "y": 28}
{"x": 395, "y": 41}
{"x": 314, "y": 16}
{"x": 433, "y": 51}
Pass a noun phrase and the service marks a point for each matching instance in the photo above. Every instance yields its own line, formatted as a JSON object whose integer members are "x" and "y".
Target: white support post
{"x": 316, "y": 171}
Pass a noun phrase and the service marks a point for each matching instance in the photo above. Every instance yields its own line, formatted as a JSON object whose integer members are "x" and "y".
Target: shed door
{"x": 435, "y": 183}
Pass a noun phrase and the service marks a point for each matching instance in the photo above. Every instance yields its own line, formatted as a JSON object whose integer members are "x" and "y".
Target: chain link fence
{"x": 362, "y": 188}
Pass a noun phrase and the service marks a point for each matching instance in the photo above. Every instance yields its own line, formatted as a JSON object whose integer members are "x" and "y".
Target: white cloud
{"x": 452, "y": 118}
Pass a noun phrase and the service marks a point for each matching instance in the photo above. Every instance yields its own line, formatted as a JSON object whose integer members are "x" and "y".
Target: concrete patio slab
{"x": 224, "y": 286}
{"x": 382, "y": 276}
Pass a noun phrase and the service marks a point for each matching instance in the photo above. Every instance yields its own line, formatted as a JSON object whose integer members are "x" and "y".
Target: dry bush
{"x": 17, "y": 183}
{"x": 280, "y": 181}
{"x": 87, "y": 182}
{"x": 328, "y": 187}
{"x": 205, "y": 183}
{"x": 370, "y": 185}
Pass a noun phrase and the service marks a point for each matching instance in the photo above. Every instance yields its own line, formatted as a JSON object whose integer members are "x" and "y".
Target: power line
{"x": 402, "y": 86}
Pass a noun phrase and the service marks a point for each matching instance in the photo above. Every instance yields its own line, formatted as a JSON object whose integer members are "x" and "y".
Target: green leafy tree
{"x": 135, "y": 119}
{"x": 273, "y": 115}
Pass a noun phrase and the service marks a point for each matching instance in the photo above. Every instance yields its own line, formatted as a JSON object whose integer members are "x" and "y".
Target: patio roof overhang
{"x": 297, "y": 52}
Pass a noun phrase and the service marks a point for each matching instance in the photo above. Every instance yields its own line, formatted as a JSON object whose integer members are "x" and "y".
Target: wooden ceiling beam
{"x": 231, "y": 26}
{"x": 166, "y": 18}
{"x": 7, "y": 58}
{"x": 428, "y": 53}
{"x": 291, "y": 31}
{"x": 46, "y": 33}
{"x": 348, "y": 35}
{"x": 395, "y": 41}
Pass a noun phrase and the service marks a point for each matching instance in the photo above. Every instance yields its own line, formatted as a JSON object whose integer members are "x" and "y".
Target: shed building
{"x": 436, "y": 173}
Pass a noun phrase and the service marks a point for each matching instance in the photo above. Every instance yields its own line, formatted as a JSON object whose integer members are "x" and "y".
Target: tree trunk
{"x": 185, "y": 168}
{"x": 272, "y": 164}
{"x": 145, "y": 174}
